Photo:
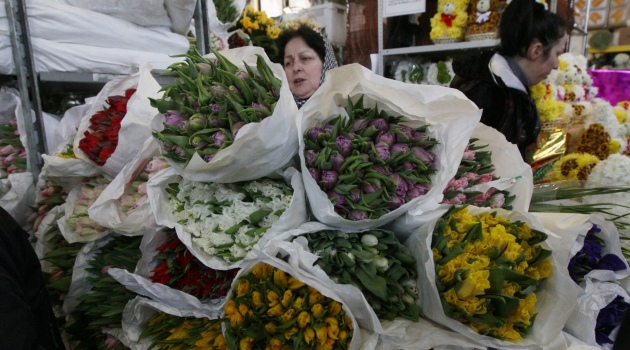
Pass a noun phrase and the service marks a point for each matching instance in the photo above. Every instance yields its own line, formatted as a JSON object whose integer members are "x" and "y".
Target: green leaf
{"x": 376, "y": 285}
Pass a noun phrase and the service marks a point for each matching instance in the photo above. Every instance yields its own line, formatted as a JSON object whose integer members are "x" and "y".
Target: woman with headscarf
{"x": 306, "y": 57}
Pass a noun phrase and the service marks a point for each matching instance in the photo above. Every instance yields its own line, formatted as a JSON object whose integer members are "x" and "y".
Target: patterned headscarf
{"x": 330, "y": 62}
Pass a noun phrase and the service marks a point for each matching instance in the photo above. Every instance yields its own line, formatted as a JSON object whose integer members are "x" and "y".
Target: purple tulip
{"x": 406, "y": 166}
{"x": 404, "y": 133}
{"x": 328, "y": 128}
{"x": 380, "y": 124}
{"x": 358, "y": 125}
{"x": 214, "y": 121}
{"x": 315, "y": 133}
{"x": 416, "y": 190}
{"x": 337, "y": 161}
{"x": 233, "y": 89}
{"x": 180, "y": 152}
{"x": 382, "y": 151}
{"x": 242, "y": 75}
{"x": 420, "y": 136}
{"x": 610, "y": 262}
{"x": 382, "y": 169}
{"x": 385, "y": 137}
{"x": 400, "y": 148}
{"x": 174, "y": 118}
{"x": 401, "y": 184}
{"x": 219, "y": 138}
{"x": 236, "y": 127}
{"x": 219, "y": 92}
{"x": 371, "y": 186}
{"x": 204, "y": 69}
{"x": 395, "y": 202}
{"x": 214, "y": 108}
{"x": 344, "y": 144}
{"x": 198, "y": 121}
{"x": 426, "y": 157}
{"x": 169, "y": 147}
{"x": 355, "y": 195}
{"x": 328, "y": 179}
{"x": 310, "y": 156}
{"x": 337, "y": 199}
{"x": 208, "y": 157}
{"x": 357, "y": 215}
{"x": 314, "y": 173}
{"x": 198, "y": 142}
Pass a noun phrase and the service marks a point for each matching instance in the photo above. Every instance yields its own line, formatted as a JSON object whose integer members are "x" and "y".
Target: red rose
{"x": 129, "y": 93}
{"x": 100, "y": 117}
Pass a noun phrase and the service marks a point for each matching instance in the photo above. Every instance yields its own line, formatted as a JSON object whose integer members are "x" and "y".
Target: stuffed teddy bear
{"x": 483, "y": 18}
{"x": 449, "y": 21}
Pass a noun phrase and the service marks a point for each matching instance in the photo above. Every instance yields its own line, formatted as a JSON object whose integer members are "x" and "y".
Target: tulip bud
{"x": 198, "y": 142}
{"x": 337, "y": 199}
{"x": 198, "y": 122}
{"x": 387, "y": 138}
{"x": 406, "y": 166}
{"x": 219, "y": 92}
{"x": 219, "y": 138}
{"x": 382, "y": 169}
{"x": 314, "y": 173}
{"x": 426, "y": 157}
{"x": 416, "y": 190}
{"x": 355, "y": 195}
{"x": 328, "y": 179}
{"x": 241, "y": 74}
{"x": 371, "y": 186}
{"x": 344, "y": 144}
{"x": 310, "y": 156}
{"x": 204, "y": 69}
{"x": 382, "y": 151}
{"x": 394, "y": 202}
{"x": 400, "y": 148}
{"x": 315, "y": 133}
{"x": 401, "y": 184}
{"x": 380, "y": 124}
{"x": 420, "y": 136}
{"x": 358, "y": 125}
{"x": 381, "y": 263}
{"x": 208, "y": 157}
{"x": 337, "y": 161}
{"x": 403, "y": 133}
{"x": 236, "y": 127}
{"x": 369, "y": 240}
{"x": 174, "y": 118}
{"x": 214, "y": 121}
{"x": 233, "y": 89}
{"x": 357, "y": 215}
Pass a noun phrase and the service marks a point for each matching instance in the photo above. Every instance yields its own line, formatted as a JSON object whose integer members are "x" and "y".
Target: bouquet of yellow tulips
{"x": 270, "y": 309}
{"x": 173, "y": 332}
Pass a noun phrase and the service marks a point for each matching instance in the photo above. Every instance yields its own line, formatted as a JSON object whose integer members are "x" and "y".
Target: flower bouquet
{"x": 217, "y": 117}
{"x": 273, "y": 306}
{"x": 260, "y": 30}
{"x": 12, "y": 133}
{"x": 48, "y": 196}
{"x": 393, "y": 179}
{"x": 221, "y": 223}
{"x": 492, "y": 277}
{"x": 116, "y": 126}
{"x": 124, "y": 205}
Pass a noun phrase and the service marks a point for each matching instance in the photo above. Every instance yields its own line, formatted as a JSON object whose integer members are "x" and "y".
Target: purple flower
{"x": 382, "y": 151}
{"x": 404, "y": 133}
{"x": 357, "y": 215}
{"x": 400, "y": 148}
{"x": 337, "y": 199}
{"x": 426, "y": 157}
{"x": 219, "y": 138}
{"x": 219, "y": 92}
{"x": 385, "y": 137}
{"x": 214, "y": 107}
{"x": 610, "y": 262}
{"x": 204, "y": 68}
{"x": 401, "y": 184}
{"x": 314, "y": 173}
{"x": 380, "y": 124}
{"x": 371, "y": 186}
{"x": 609, "y": 318}
{"x": 214, "y": 121}
{"x": 355, "y": 195}
{"x": 236, "y": 127}
{"x": 337, "y": 161}
{"x": 208, "y": 157}
{"x": 358, "y": 125}
{"x": 382, "y": 169}
{"x": 242, "y": 75}
{"x": 328, "y": 128}
{"x": 328, "y": 179}
{"x": 408, "y": 166}
{"x": 310, "y": 156}
{"x": 419, "y": 136}
{"x": 315, "y": 133}
{"x": 174, "y": 118}
{"x": 233, "y": 89}
{"x": 416, "y": 190}
{"x": 394, "y": 202}
{"x": 344, "y": 144}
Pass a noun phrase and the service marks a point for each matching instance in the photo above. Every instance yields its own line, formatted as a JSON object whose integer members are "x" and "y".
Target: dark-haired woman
{"x": 532, "y": 38}
{"x": 306, "y": 57}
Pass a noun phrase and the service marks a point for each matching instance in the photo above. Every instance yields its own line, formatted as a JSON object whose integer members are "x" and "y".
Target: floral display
{"x": 595, "y": 140}
{"x": 12, "y": 152}
{"x": 226, "y": 220}
{"x": 101, "y": 138}
{"x": 52, "y": 195}
{"x": 369, "y": 163}
{"x": 261, "y": 29}
{"x": 179, "y": 269}
{"x": 79, "y": 220}
{"x": 101, "y": 308}
{"x": 609, "y": 318}
{"x": 208, "y": 104}
{"x": 226, "y": 12}
{"x": 172, "y": 332}
{"x": 136, "y": 192}
{"x": 488, "y": 269}
{"x": 573, "y": 166}
{"x": 375, "y": 262}
{"x": 270, "y": 309}
{"x": 590, "y": 257}
{"x": 476, "y": 168}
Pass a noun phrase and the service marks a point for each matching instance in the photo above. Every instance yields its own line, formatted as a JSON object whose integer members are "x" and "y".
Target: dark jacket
{"x": 26, "y": 316}
{"x": 510, "y": 110}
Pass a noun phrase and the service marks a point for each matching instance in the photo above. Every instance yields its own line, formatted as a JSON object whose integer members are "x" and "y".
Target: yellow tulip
{"x": 257, "y": 299}
{"x": 507, "y": 332}
{"x": 510, "y": 288}
{"x": 272, "y": 297}
{"x": 275, "y": 311}
{"x": 258, "y": 270}
{"x": 540, "y": 270}
{"x": 242, "y": 288}
{"x": 318, "y": 310}
{"x": 290, "y": 332}
{"x": 309, "y": 334}
{"x": 322, "y": 334}
{"x": 286, "y": 298}
{"x": 333, "y": 327}
{"x": 297, "y": 304}
{"x": 280, "y": 279}
{"x": 275, "y": 344}
{"x": 304, "y": 318}
{"x": 243, "y": 309}
{"x": 270, "y": 327}
{"x": 437, "y": 256}
{"x": 288, "y": 315}
{"x": 474, "y": 284}
{"x": 327, "y": 345}
{"x": 294, "y": 283}
{"x": 219, "y": 342}
{"x": 349, "y": 322}
{"x": 246, "y": 343}
{"x": 334, "y": 308}
{"x": 525, "y": 310}
{"x": 315, "y": 297}
{"x": 343, "y": 335}
{"x": 230, "y": 307}
{"x": 236, "y": 319}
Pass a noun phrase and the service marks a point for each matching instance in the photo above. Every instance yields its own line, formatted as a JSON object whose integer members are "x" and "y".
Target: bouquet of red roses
{"x": 101, "y": 138}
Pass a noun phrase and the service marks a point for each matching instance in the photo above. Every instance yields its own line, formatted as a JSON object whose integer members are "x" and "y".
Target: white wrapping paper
{"x": 42, "y": 245}
{"x": 19, "y": 197}
{"x": 451, "y": 116}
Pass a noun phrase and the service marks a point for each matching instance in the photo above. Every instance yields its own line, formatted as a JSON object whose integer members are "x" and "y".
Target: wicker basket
{"x": 447, "y": 40}
{"x": 482, "y": 36}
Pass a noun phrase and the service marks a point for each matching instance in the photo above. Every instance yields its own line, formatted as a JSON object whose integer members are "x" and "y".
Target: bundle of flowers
{"x": 590, "y": 257}
{"x": 178, "y": 268}
{"x": 76, "y": 224}
{"x": 609, "y": 318}
{"x": 369, "y": 163}
{"x": 101, "y": 138}
{"x": 135, "y": 193}
{"x": 376, "y": 263}
{"x": 227, "y": 220}
{"x": 100, "y": 309}
{"x": 595, "y": 140}
{"x": 476, "y": 168}
{"x": 51, "y": 195}
{"x": 487, "y": 271}
{"x": 269, "y": 308}
{"x": 573, "y": 166}
{"x": 226, "y": 12}
{"x": 12, "y": 152}
{"x": 261, "y": 29}
{"x": 172, "y": 332}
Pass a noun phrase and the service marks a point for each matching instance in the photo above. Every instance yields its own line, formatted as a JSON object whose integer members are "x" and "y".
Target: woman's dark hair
{"x": 524, "y": 21}
{"x": 312, "y": 38}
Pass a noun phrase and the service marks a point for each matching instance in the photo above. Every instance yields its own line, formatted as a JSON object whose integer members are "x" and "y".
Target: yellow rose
{"x": 334, "y": 308}
{"x": 290, "y": 332}
{"x": 230, "y": 307}
{"x": 286, "y": 298}
{"x": 322, "y": 334}
{"x": 275, "y": 344}
{"x": 309, "y": 334}
{"x": 295, "y": 283}
{"x": 288, "y": 315}
{"x": 304, "y": 318}
{"x": 280, "y": 279}
{"x": 272, "y": 298}
{"x": 246, "y": 343}
{"x": 333, "y": 327}
{"x": 475, "y": 283}
{"x": 242, "y": 288}
{"x": 275, "y": 311}
{"x": 318, "y": 310}
{"x": 270, "y": 327}
{"x": 257, "y": 299}
{"x": 297, "y": 304}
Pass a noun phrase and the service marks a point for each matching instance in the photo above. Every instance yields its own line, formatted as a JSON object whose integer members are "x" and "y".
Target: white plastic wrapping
{"x": 259, "y": 148}
{"x": 216, "y": 26}
{"x": 80, "y": 285}
{"x": 67, "y": 172}
{"x": 42, "y": 245}
{"x": 19, "y": 195}
{"x": 294, "y": 215}
{"x": 450, "y": 115}
{"x": 556, "y": 296}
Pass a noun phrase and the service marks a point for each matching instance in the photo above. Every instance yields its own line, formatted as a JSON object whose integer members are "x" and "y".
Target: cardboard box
{"x": 618, "y": 16}
{"x": 595, "y": 4}
{"x": 598, "y": 19}
{"x": 624, "y": 36}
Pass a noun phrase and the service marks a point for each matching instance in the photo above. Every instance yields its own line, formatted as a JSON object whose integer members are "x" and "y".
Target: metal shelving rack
{"x": 29, "y": 80}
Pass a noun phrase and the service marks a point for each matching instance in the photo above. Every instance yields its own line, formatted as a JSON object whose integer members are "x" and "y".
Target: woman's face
{"x": 303, "y": 67}
{"x": 545, "y": 64}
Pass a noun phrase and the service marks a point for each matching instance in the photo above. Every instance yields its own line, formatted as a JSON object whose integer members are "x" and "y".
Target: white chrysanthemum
{"x": 551, "y": 78}
{"x": 623, "y": 142}
{"x": 402, "y": 68}
{"x": 604, "y": 115}
{"x": 578, "y": 90}
{"x": 613, "y": 171}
